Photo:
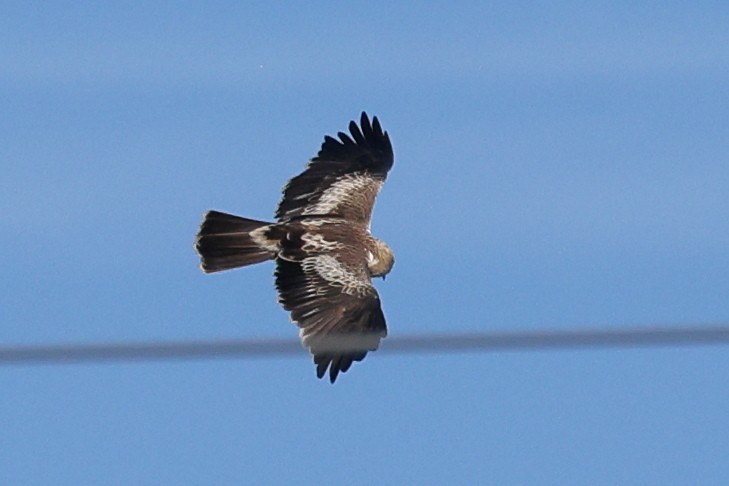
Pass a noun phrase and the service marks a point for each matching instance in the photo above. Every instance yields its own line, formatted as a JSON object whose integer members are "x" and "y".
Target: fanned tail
{"x": 225, "y": 242}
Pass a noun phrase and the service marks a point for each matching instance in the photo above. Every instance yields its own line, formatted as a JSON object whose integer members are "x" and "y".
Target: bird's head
{"x": 380, "y": 261}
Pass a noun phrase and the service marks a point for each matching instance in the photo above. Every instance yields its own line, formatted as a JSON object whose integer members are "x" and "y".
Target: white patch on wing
{"x": 339, "y": 192}
{"x": 315, "y": 242}
{"x": 310, "y": 312}
{"x": 334, "y": 272}
{"x": 318, "y": 222}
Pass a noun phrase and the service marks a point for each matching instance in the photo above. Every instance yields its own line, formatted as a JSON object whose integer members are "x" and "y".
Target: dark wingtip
{"x": 334, "y": 363}
{"x": 364, "y": 122}
{"x": 366, "y": 143}
{"x": 372, "y": 128}
{"x": 321, "y": 367}
{"x": 324, "y": 362}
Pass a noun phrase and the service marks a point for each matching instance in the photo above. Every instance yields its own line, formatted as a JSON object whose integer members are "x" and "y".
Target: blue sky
{"x": 561, "y": 166}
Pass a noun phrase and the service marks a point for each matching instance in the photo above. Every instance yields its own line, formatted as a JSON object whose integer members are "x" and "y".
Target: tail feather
{"x": 224, "y": 242}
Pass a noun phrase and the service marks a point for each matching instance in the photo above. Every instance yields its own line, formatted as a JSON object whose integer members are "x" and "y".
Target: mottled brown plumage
{"x": 324, "y": 252}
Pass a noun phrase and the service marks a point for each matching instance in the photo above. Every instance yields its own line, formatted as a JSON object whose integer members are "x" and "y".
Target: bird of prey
{"x": 321, "y": 243}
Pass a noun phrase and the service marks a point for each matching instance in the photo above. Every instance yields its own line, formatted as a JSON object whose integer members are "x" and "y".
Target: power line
{"x": 431, "y": 343}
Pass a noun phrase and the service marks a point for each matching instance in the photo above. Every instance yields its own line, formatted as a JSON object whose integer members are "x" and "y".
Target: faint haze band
{"x": 434, "y": 343}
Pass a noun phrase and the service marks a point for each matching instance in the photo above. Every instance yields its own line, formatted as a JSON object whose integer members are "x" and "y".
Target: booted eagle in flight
{"x": 325, "y": 255}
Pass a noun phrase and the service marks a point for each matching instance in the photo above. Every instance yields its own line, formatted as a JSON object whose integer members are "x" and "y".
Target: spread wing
{"x": 344, "y": 178}
{"x": 335, "y": 305}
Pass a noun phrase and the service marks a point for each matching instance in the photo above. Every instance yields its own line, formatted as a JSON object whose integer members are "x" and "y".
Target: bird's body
{"x": 325, "y": 254}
